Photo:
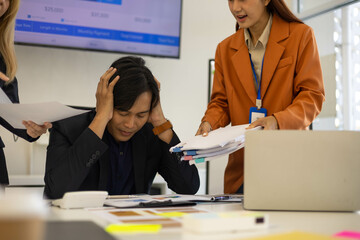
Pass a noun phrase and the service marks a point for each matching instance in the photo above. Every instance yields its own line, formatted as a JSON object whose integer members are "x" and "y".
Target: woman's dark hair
{"x": 135, "y": 79}
{"x": 279, "y": 8}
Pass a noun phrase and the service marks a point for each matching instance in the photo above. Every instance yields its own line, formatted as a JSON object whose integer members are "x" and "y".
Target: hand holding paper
{"x": 268, "y": 123}
{"x": 3, "y": 97}
{"x": 34, "y": 130}
{"x": 38, "y": 113}
{"x": 204, "y": 129}
{"x": 219, "y": 142}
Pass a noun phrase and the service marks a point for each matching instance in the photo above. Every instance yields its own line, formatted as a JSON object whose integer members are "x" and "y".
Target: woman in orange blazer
{"x": 287, "y": 68}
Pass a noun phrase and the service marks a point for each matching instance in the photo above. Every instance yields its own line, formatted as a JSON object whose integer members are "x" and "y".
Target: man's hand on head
{"x": 157, "y": 116}
{"x": 104, "y": 94}
{"x": 104, "y": 102}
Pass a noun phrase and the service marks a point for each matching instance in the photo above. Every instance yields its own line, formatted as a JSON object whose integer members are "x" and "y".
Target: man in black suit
{"x": 120, "y": 146}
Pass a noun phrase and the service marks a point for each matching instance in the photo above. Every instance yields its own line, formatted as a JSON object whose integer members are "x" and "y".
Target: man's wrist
{"x": 162, "y": 128}
{"x": 159, "y": 122}
{"x": 100, "y": 118}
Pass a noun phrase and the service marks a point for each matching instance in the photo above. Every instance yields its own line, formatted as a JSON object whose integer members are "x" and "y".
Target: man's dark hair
{"x": 135, "y": 79}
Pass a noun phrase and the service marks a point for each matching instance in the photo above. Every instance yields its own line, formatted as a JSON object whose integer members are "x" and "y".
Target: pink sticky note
{"x": 188, "y": 157}
{"x": 348, "y": 234}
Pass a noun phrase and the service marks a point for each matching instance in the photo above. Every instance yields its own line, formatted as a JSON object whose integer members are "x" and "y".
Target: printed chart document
{"x": 144, "y": 220}
{"x": 39, "y": 113}
{"x": 221, "y": 141}
{"x": 134, "y": 201}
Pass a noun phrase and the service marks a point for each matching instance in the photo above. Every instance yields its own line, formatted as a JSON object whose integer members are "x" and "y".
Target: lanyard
{"x": 258, "y": 99}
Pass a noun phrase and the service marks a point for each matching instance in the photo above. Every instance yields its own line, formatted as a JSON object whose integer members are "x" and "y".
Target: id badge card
{"x": 256, "y": 113}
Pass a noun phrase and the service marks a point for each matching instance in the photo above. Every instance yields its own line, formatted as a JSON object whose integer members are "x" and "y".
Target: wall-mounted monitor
{"x": 144, "y": 27}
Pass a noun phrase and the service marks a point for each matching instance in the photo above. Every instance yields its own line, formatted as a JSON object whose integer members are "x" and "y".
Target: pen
{"x": 122, "y": 196}
{"x": 220, "y": 198}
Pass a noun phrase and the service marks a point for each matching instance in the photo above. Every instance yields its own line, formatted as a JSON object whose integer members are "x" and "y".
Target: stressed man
{"x": 121, "y": 145}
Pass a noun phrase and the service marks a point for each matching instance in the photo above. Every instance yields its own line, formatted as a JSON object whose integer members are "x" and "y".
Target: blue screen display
{"x": 130, "y": 26}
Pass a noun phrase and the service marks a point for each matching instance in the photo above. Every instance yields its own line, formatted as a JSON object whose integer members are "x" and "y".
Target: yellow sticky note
{"x": 171, "y": 214}
{"x": 133, "y": 228}
{"x": 296, "y": 236}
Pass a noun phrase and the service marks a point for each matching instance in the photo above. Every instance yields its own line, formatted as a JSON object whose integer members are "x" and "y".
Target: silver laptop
{"x": 302, "y": 170}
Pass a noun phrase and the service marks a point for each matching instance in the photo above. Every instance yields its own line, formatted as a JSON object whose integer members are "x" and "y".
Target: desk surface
{"x": 327, "y": 223}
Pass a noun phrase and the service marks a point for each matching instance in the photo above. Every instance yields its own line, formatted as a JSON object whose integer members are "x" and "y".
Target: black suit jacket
{"x": 77, "y": 159}
{"x": 11, "y": 90}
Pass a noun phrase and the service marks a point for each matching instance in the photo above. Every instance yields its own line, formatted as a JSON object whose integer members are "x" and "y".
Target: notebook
{"x": 302, "y": 170}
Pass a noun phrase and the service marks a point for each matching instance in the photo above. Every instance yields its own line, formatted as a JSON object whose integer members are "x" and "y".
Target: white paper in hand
{"x": 3, "y": 97}
{"x": 217, "y": 138}
{"x": 39, "y": 113}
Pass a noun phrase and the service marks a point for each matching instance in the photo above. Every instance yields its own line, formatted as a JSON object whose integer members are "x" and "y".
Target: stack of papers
{"x": 219, "y": 142}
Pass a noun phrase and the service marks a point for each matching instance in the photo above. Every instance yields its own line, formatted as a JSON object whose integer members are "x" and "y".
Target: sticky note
{"x": 348, "y": 234}
{"x": 133, "y": 228}
{"x": 188, "y": 157}
{"x": 172, "y": 214}
{"x": 199, "y": 160}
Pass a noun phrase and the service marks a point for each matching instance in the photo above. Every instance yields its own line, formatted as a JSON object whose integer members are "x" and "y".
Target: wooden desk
{"x": 327, "y": 223}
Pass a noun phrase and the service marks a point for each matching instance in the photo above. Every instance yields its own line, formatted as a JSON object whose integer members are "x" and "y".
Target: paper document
{"x": 222, "y": 141}
{"x": 3, "y": 97}
{"x": 39, "y": 113}
{"x": 210, "y": 150}
{"x": 143, "y": 200}
{"x": 213, "y": 154}
{"x": 217, "y": 138}
{"x": 124, "y": 201}
{"x": 144, "y": 220}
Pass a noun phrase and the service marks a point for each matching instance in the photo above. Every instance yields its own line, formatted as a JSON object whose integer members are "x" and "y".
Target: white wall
{"x": 71, "y": 76}
{"x": 326, "y": 47}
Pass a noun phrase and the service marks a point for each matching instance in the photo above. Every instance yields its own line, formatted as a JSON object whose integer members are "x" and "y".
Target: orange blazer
{"x": 292, "y": 87}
